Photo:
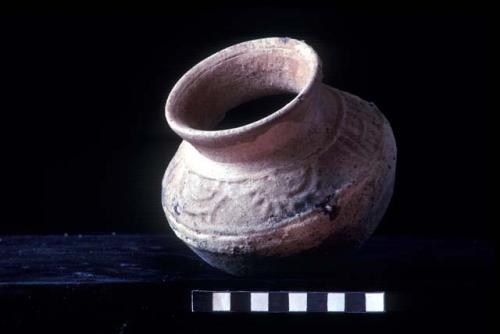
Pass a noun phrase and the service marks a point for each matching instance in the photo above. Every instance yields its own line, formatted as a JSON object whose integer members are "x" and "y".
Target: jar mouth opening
{"x": 235, "y": 75}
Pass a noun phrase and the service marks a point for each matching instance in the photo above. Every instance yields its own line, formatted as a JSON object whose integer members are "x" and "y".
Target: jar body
{"x": 335, "y": 195}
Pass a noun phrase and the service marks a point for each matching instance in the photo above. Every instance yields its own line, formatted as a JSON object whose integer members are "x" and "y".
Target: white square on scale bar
{"x": 336, "y": 302}
{"x": 221, "y": 301}
{"x": 375, "y": 302}
{"x": 259, "y": 301}
{"x": 297, "y": 302}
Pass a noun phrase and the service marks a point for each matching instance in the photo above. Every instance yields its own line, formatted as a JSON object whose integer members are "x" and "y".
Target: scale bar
{"x": 287, "y": 301}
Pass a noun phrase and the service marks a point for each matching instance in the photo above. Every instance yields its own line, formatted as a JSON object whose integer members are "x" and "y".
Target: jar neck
{"x": 280, "y": 138}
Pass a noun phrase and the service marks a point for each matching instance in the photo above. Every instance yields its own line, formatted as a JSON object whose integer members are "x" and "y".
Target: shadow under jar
{"x": 317, "y": 173}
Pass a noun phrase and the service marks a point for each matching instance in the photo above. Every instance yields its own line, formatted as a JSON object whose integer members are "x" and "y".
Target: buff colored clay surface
{"x": 317, "y": 172}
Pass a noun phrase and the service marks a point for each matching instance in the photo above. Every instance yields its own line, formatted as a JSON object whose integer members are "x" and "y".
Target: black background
{"x": 86, "y": 141}
{"x": 85, "y": 144}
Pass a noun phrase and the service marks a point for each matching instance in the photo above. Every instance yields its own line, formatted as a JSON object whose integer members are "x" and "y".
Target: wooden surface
{"x": 101, "y": 259}
{"x": 124, "y": 279}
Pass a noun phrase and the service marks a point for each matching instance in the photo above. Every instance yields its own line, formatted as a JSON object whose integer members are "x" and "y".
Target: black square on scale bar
{"x": 201, "y": 301}
{"x": 240, "y": 302}
{"x": 317, "y": 302}
{"x": 355, "y": 302}
{"x": 278, "y": 302}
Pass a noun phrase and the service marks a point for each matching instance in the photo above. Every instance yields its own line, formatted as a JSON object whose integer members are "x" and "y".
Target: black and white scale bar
{"x": 287, "y": 301}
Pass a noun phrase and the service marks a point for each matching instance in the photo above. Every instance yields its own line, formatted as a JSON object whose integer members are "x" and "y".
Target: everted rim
{"x": 191, "y": 134}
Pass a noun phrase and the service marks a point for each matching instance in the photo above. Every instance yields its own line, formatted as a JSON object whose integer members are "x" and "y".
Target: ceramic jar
{"x": 317, "y": 172}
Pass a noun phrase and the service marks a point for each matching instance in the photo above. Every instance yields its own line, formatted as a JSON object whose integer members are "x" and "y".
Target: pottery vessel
{"x": 318, "y": 172}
